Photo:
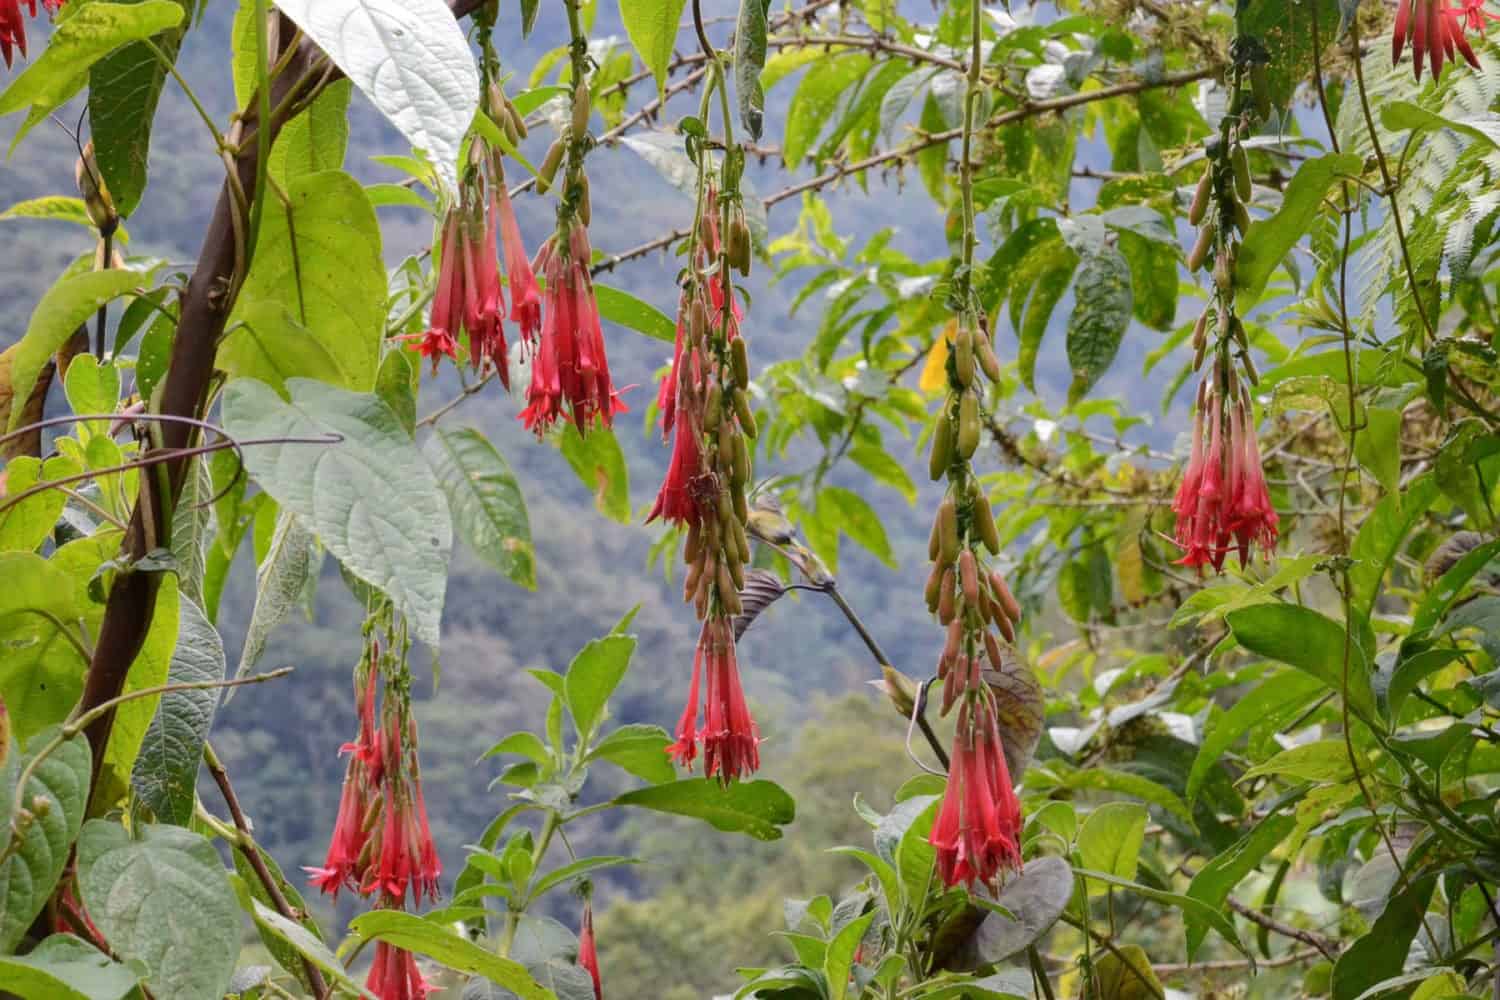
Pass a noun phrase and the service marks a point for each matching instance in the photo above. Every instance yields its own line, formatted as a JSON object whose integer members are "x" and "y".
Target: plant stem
{"x": 513, "y": 916}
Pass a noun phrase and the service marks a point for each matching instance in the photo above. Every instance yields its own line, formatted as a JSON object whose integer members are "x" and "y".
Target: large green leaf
{"x": 314, "y": 303}
{"x": 856, "y": 518}
{"x": 816, "y": 98}
{"x": 27, "y": 524}
{"x": 489, "y": 512}
{"x": 410, "y": 58}
{"x": 634, "y": 314}
{"x": 124, "y": 88}
{"x": 1101, "y": 312}
{"x": 1313, "y": 643}
{"x": 28, "y": 876}
{"x": 64, "y": 967}
{"x": 166, "y": 769}
{"x": 442, "y": 945}
{"x": 1269, "y": 240}
{"x": 639, "y": 749}
{"x": 149, "y": 669}
{"x": 593, "y": 676}
{"x": 1280, "y": 695}
{"x": 600, "y": 465}
{"x": 1216, "y": 918}
{"x": 1286, "y": 32}
{"x": 652, "y": 27}
{"x": 83, "y": 38}
{"x": 165, "y": 901}
{"x": 66, "y": 306}
{"x": 371, "y": 499}
{"x": 1381, "y": 536}
{"x": 1218, "y": 878}
{"x": 317, "y": 139}
{"x": 756, "y": 808}
{"x": 1046, "y": 273}
{"x": 1381, "y": 954}
{"x": 1111, "y": 838}
{"x": 41, "y": 673}
{"x": 280, "y": 580}
{"x": 288, "y": 941}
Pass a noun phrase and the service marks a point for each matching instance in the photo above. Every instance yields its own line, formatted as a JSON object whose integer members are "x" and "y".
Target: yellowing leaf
{"x": 935, "y": 371}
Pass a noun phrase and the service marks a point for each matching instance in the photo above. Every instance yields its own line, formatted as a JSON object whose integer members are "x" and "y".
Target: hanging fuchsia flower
{"x": 570, "y": 372}
{"x": 407, "y": 854}
{"x": 1223, "y": 501}
{"x": 977, "y": 833}
{"x": 588, "y": 954}
{"x": 525, "y": 299}
{"x": 729, "y": 735}
{"x": 394, "y": 975}
{"x": 1472, "y": 16}
{"x": 677, "y": 501}
{"x": 13, "y": 28}
{"x": 1435, "y": 31}
{"x": 484, "y": 307}
{"x": 346, "y": 858}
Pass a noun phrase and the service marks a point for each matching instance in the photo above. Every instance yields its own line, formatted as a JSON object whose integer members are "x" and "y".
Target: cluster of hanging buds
{"x": 977, "y": 831}
{"x": 1435, "y": 32}
{"x": 570, "y": 372}
{"x": 705, "y": 408}
{"x": 1223, "y": 502}
{"x": 469, "y": 298}
{"x": 382, "y": 846}
{"x": 13, "y": 28}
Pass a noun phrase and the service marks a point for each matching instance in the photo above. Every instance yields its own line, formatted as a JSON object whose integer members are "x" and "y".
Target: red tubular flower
{"x": 13, "y": 28}
{"x": 483, "y": 301}
{"x": 1435, "y": 32}
{"x": 570, "y": 372}
{"x": 978, "y": 827}
{"x": 666, "y": 393}
{"x": 588, "y": 954}
{"x": 1223, "y": 501}
{"x": 729, "y": 735}
{"x": 394, "y": 975}
{"x": 407, "y": 854}
{"x": 525, "y": 299}
{"x": 677, "y": 501}
{"x": 447, "y": 304}
{"x": 342, "y": 865}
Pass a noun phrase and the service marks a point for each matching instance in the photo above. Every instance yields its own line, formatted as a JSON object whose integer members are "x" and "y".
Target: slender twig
{"x": 447, "y": 407}
{"x": 245, "y": 842}
{"x": 1327, "y": 946}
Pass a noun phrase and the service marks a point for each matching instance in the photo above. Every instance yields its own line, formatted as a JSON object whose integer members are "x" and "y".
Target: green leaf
{"x": 293, "y": 940}
{"x": 840, "y": 958}
{"x": 489, "y": 512}
{"x": 55, "y": 207}
{"x": 578, "y": 869}
{"x": 857, "y": 519}
{"x": 593, "y": 676}
{"x": 1217, "y": 919}
{"x": 317, "y": 139}
{"x": 166, "y": 769}
{"x": 1322, "y": 760}
{"x": 92, "y": 387}
{"x": 1134, "y": 785}
{"x": 313, "y": 306}
{"x": 1400, "y": 116}
{"x": 133, "y": 718}
{"x": 756, "y": 808}
{"x": 1053, "y": 264}
{"x": 64, "y": 967}
{"x": 124, "y": 88}
{"x": 28, "y": 876}
{"x": 1126, "y": 974}
{"x": 1101, "y": 313}
{"x": 1313, "y": 643}
{"x": 1381, "y": 954}
{"x": 749, "y": 61}
{"x": 1286, "y": 32}
{"x": 1445, "y": 591}
{"x": 410, "y": 58}
{"x": 83, "y": 38}
{"x": 1110, "y": 840}
{"x": 884, "y": 468}
{"x": 816, "y": 98}
{"x": 1035, "y": 898}
{"x": 1381, "y": 536}
{"x": 412, "y": 933}
{"x": 639, "y": 749}
{"x": 280, "y": 580}
{"x": 1269, "y": 240}
{"x": 1278, "y": 697}
{"x": 25, "y": 525}
{"x": 371, "y": 499}
{"x": 634, "y": 314}
{"x": 66, "y": 306}
{"x": 41, "y": 674}
{"x": 600, "y": 465}
{"x": 165, "y": 901}
{"x": 1378, "y": 446}
{"x": 652, "y": 27}
{"x": 1218, "y": 878}
{"x": 524, "y": 743}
